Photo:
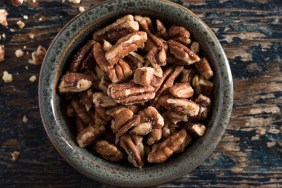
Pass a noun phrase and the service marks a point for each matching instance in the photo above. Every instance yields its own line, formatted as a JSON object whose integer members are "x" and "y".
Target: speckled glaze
{"x": 73, "y": 36}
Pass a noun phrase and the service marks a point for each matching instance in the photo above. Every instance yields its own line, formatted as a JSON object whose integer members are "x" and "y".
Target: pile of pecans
{"x": 138, "y": 90}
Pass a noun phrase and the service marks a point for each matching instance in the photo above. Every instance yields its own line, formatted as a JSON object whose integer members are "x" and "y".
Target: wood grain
{"x": 249, "y": 155}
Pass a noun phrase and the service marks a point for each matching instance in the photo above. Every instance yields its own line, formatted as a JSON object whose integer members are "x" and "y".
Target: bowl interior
{"x": 73, "y": 36}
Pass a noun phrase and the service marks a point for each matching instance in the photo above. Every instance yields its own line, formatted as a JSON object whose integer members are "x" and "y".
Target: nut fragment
{"x": 125, "y": 45}
{"x": 19, "y": 53}
{"x": 81, "y": 112}
{"x": 20, "y": 24}
{"x": 181, "y": 90}
{"x": 122, "y": 27}
{"x": 7, "y": 77}
{"x": 195, "y": 47}
{"x": 154, "y": 136}
{"x": 3, "y": 17}
{"x": 134, "y": 148}
{"x": 103, "y": 100}
{"x": 183, "y": 53}
{"x": 147, "y": 76}
{"x": 38, "y": 55}
{"x": 161, "y": 30}
{"x": 180, "y": 34}
{"x": 204, "y": 68}
{"x": 74, "y": 82}
{"x": 164, "y": 150}
{"x": 157, "y": 57}
{"x": 89, "y": 135}
{"x": 196, "y": 129}
{"x": 108, "y": 151}
{"x": 187, "y": 76}
{"x": 183, "y": 106}
{"x": 174, "y": 117}
{"x": 15, "y": 155}
{"x": 141, "y": 129}
{"x": 2, "y": 53}
{"x": 202, "y": 86}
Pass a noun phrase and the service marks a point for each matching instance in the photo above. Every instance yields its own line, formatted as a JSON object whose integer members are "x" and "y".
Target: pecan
{"x": 74, "y": 82}
{"x": 157, "y": 57}
{"x": 181, "y": 90}
{"x": 86, "y": 98}
{"x": 154, "y": 136}
{"x": 196, "y": 129}
{"x": 134, "y": 60}
{"x": 134, "y": 148}
{"x": 88, "y": 63}
{"x": 100, "y": 113}
{"x": 104, "y": 84}
{"x": 80, "y": 56}
{"x": 89, "y": 135}
{"x": 121, "y": 117}
{"x": 203, "y": 101}
{"x": 195, "y": 47}
{"x": 108, "y": 151}
{"x": 125, "y": 45}
{"x": 165, "y": 149}
{"x": 141, "y": 129}
{"x": 107, "y": 45}
{"x": 187, "y": 76}
{"x": 2, "y": 53}
{"x": 186, "y": 142}
{"x": 147, "y": 76}
{"x": 81, "y": 112}
{"x": 171, "y": 59}
{"x": 181, "y": 52}
{"x": 17, "y": 2}
{"x": 38, "y": 55}
{"x": 134, "y": 122}
{"x": 151, "y": 115}
{"x": 117, "y": 30}
{"x": 174, "y": 117}
{"x": 3, "y": 17}
{"x": 170, "y": 75}
{"x": 202, "y": 86}
{"x": 182, "y": 106}
{"x": 99, "y": 55}
{"x": 179, "y": 34}
{"x": 166, "y": 131}
{"x": 130, "y": 93}
{"x": 204, "y": 68}
{"x": 161, "y": 29}
{"x": 103, "y": 100}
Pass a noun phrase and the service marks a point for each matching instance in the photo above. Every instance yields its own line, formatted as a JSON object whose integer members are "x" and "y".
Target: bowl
{"x": 73, "y": 35}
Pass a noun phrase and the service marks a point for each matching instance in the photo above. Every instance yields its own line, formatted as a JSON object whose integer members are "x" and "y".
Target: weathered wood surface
{"x": 250, "y": 153}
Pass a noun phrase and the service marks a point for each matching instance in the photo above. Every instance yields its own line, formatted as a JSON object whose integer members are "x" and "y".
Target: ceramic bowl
{"x": 73, "y": 35}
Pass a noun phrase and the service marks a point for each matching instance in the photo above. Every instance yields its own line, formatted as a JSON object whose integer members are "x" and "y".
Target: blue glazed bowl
{"x": 73, "y": 35}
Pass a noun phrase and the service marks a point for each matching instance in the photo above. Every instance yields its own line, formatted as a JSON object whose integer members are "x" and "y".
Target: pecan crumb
{"x": 32, "y": 79}
{"x": 15, "y": 155}
{"x": 3, "y": 17}
{"x": 7, "y": 77}
{"x": 2, "y": 53}
{"x": 25, "y": 119}
{"x": 38, "y": 55}
{"x": 81, "y": 9}
{"x": 20, "y": 24}
{"x": 17, "y": 2}
{"x": 19, "y": 53}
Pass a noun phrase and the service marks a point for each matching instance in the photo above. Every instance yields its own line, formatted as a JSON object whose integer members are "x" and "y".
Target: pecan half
{"x": 147, "y": 76}
{"x": 174, "y": 117}
{"x": 187, "y": 76}
{"x": 161, "y": 29}
{"x": 196, "y": 129}
{"x": 182, "y": 106}
{"x": 141, "y": 129}
{"x": 130, "y": 93}
{"x": 80, "y": 56}
{"x": 74, "y": 82}
{"x": 108, "y": 151}
{"x": 183, "y": 53}
{"x": 125, "y": 45}
{"x": 99, "y": 55}
{"x": 81, "y": 112}
{"x": 86, "y": 99}
{"x": 134, "y": 122}
{"x": 134, "y": 148}
{"x": 164, "y": 150}
{"x": 181, "y": 90}
{"x": 204, "y": 68}
{"x": 180, "y": 34}
{"x": 117, "y": 30}
{"x": 89, "y": 135}
{"x": 157, "y": 57}
{"x": 202, "y": 86}
{"x": 151, "y": 115}
{"x": 121, "y": 117}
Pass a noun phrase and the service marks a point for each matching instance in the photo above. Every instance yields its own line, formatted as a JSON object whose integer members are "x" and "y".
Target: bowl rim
{"x": 228, "y": 100}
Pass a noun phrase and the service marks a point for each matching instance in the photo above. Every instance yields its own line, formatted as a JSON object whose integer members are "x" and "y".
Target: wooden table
{"x": 250, "y": 152}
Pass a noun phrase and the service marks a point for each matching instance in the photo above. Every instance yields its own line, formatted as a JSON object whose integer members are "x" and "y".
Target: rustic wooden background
{"x": 250, "y": 153}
